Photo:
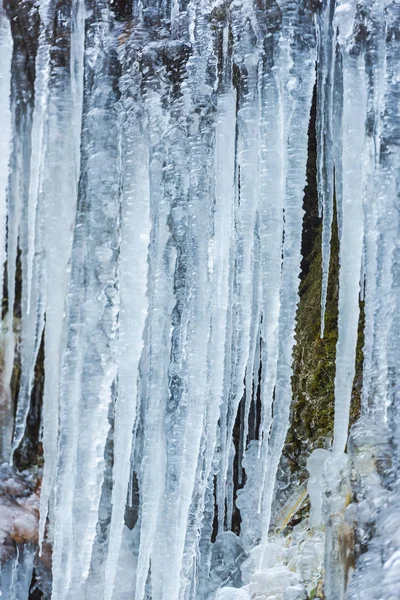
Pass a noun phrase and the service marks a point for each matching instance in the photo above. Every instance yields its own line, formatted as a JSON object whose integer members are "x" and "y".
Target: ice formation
{"x": 152, "y": 169}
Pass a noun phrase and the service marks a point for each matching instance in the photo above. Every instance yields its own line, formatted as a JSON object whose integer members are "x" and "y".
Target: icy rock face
{"x": 151, "y": 206}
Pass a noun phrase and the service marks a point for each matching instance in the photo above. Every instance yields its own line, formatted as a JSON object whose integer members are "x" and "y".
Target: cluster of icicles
{"x": 155, "y": 195}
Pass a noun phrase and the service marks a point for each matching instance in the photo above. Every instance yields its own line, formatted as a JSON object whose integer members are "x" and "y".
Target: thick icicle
{"x": 272, "y": 85}
{"x": 244, "y": 302}
{"x": 16, "y": 197}
{"x": 220, "y": 267}
{"x": 351, "y": 238}
{"x": 135, "y": 229}
{"x": 188, "y": 182}
{"x": 381, "y": 307}
{"x": 88, "y": 374}
{"x": 372, "y": 200}
{"x": 31, "y": 240}
{"x": 156, "y": 358}
{"x": 59, "y": 198}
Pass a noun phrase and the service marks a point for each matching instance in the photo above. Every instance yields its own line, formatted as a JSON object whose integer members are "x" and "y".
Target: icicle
{"x": 252, "y": 371}
{"x": 250, "y": 393}
{"x": 351, "y": 239}
{"x": 31, "y": 240}
{"x": 135, "y": 229}
{"x": 58, "y": 198}
{"x": 371, "y": 235}
{"x": 6, "y": 43}
{"x": 244, "y": 303}
{"x": 325, "y": 170}
{"x": 32, "y": 322}
{"x": 89, "y": 362}
{"x": 222, "y": 245}
{"x": 272, "y": 189}
{"x": 229, "y": 486}
{"x": 78, "y": 15}
{"x": 184, "y": 415}
{"x": 9, "y": 338}
{"x": 17, "y": 193}
{"x": 296, "y": 100}
{"x": 373, "y": 207}
{"x": 155, "y": 385}
{"x": 220, "y": 271}
{"x": 387, "y": 314}
{"x": 42, "y": 66}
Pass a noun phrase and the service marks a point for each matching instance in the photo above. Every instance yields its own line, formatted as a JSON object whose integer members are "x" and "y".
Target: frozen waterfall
{"x": 181, "y": 183}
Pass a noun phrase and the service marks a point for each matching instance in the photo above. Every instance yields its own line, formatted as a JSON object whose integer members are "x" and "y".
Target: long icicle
{"x": 351, "y": 238}
{"x": 6, "y": 44}
{"x": 89, "y": 363}
{"x": 31, "y": 241}
{"x": 38, "y": 132}
{"x": 325, "y": 170}
{"x": 59, "y": 184}
{"x": 244, "y": 302}
{"x": 135, "y": 230}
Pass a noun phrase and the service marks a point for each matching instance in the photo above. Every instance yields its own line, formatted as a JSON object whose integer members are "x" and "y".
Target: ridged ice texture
{"x": 155, "y": 193}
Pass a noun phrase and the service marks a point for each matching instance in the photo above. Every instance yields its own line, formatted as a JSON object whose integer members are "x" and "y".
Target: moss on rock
{"x": 314, "y": 358}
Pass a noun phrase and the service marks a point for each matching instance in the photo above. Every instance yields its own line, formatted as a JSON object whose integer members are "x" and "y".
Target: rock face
{"x": 186, "y": 186}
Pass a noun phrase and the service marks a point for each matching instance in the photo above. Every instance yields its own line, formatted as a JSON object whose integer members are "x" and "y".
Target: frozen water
{"x": 152, "y": 171}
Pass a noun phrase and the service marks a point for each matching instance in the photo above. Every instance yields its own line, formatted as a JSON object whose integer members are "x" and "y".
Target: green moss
{"x": 314, "y": 359}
